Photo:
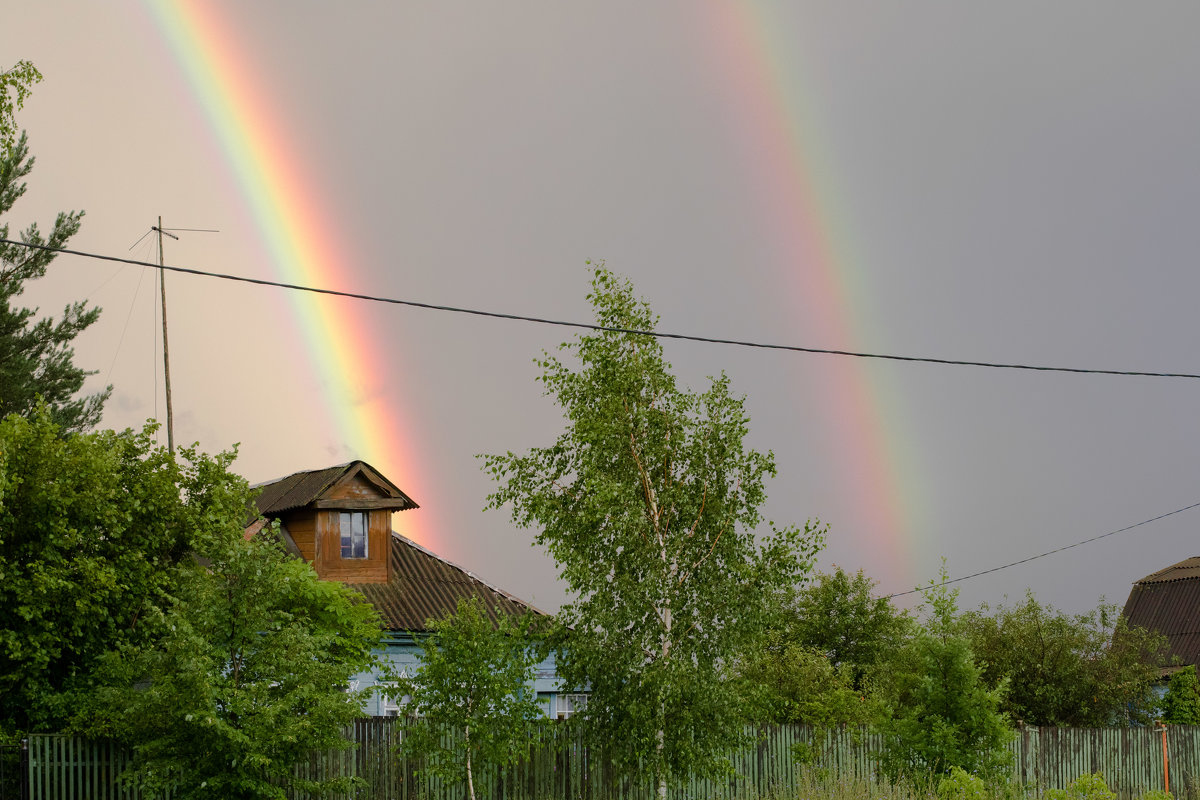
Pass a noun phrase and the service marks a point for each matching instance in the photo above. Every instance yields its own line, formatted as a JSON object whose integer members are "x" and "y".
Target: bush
{"x": 1085, "y": 787}
{"x": 1181, "y": 705}
{"x": 961, "y": 785}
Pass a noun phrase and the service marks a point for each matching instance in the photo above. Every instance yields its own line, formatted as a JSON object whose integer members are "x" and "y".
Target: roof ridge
{"x": 261, "y": 484}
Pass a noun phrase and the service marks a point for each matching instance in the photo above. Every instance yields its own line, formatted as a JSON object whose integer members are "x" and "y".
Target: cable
{"x": 1047, "y": 553}
{"x": 594, "y": 327}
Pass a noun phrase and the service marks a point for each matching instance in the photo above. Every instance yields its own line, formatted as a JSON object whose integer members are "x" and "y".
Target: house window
{"x": 391, "y": 705}
{"x": 353, "y": 525}
{"x": 571, "y": 704}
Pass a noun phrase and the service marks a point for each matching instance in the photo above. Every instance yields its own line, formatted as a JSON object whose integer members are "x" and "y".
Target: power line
{"x": 1047, "y": 553}
{"x": 594, "y": 327}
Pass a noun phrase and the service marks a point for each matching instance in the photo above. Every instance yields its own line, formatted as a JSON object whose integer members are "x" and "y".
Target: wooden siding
{"x": 302, "y": 525}
{"x": 353, "y": 487}
{"x": 328, "y": 561}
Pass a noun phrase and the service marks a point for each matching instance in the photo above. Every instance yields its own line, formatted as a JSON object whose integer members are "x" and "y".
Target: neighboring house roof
{"x": 302, "y": 488}
{"x": 426, "y": 586}
{"x": 1168, "y": 601}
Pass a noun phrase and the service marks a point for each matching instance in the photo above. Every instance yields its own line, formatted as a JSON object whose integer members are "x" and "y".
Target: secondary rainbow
{"x": 770, "y": 97}
{"x": 299, "y": 235}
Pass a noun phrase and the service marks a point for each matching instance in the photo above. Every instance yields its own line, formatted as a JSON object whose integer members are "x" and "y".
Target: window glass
{"x": 353, "y": 525}
{"x": 571, "y": 704}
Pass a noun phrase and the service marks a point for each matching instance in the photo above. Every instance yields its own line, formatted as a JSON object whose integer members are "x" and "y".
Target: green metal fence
{"x": 559, "y": 765}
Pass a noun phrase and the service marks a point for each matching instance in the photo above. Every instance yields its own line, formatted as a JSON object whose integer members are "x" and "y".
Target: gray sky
{"x": 1017, "y": 183}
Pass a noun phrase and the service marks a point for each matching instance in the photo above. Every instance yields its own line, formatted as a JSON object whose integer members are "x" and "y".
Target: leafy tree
{"x": 944, "y": 715}
{"x": 1181, "y": 705}
{"x": 36, "y": 356}
{"x": 838, "y": 616}
{"x": 787, "y": 682}
{"x": 91, "y": 527}
{"x": 15, "y": 85}
{"x": 474, "y": 679}
{"x": 248, "y": 674}
{"x": 649, "y": 503}
{"x": 1083, "y": 670}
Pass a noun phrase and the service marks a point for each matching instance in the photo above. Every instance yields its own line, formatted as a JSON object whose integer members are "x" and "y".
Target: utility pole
{"x": 162, "y": 285}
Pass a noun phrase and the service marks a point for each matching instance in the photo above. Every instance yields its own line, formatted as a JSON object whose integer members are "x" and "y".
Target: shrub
{"x": 1085, "y": 787}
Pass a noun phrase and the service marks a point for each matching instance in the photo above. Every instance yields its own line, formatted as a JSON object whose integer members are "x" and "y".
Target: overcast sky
{"x": 1012, "y": 184}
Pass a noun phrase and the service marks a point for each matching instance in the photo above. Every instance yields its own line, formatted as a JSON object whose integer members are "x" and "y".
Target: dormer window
{"x": 353, "y": 526}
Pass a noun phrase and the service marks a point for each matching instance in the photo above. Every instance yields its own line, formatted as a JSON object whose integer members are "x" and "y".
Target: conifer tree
{"x": 36, "y": 357}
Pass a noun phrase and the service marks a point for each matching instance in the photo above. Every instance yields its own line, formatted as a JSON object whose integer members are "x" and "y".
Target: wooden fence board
{"x": 559, "y": 764}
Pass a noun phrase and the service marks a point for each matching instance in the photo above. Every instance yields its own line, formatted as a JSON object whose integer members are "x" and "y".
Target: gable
{"x": 353, "y": 485}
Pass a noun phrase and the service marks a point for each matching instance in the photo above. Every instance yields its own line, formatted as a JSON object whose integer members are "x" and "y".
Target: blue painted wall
{"x": 403, "y": 653}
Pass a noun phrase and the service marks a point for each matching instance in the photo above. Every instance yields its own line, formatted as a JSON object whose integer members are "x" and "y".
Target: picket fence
{"x": 559, "y": 766}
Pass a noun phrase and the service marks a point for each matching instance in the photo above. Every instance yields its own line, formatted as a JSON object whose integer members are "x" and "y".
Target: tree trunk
{"x": 470, "y": 778}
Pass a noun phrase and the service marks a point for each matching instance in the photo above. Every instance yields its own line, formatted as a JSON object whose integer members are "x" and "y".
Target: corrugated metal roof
{"x": 426, "y": 586}
{"x": 1168, "y": 601}
{"x": 1188, "y": 568}
{"x": 301, "y": 488}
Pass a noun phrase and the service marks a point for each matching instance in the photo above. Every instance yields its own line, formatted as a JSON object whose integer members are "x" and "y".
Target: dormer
{"x": 338, "y": 519}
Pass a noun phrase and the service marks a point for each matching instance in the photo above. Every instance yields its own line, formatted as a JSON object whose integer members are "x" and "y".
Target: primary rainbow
{"x": 299, "y": 235}
{"x": 770, "y": 97}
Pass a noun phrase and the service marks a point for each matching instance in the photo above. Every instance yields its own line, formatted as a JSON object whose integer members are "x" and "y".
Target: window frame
{"x": 347, "y": 538}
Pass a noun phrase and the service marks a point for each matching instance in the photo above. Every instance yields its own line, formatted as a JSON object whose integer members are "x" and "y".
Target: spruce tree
{"x": 36, "y": 358}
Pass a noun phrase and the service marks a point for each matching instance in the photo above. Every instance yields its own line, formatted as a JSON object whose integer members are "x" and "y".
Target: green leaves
{"x": 1181, "y": 705}
{"x": 1084, "y": 670}
{"x": 247, "y": 674}
{"x": 15, "y": 85}
{"x": 475, "y": 678}
{"x": 35, "y": 354}
{"x": 92, "y": 530}
{"x": 649, "y": 504}
{"x": 944, "y": 714}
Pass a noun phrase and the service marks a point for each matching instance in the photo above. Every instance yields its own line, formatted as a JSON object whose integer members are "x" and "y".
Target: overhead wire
{"x": 675, "y": 336}
{"x": 611, "y": 329}
{"x": 1043, "y": 555}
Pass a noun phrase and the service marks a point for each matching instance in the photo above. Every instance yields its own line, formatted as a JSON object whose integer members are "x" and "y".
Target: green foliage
{"x": 649, "y": 504}
{"x": 1155, "y": 794}
{"x": 247, "y": 675}
{"x": 786, "y": 682}
{"x": 475, "y": 679}
{"x": 91, "y": 529}
{"x": 1085, "y": 787}
{"x": 838, "y": 616}
{"x": 15, "y": 85}
{"x": 1086, "y": 670}
{"x": 1181, "y": 705}
{"x": 36, "y": 356}
{"x": 943, "y": 714}
{"x": 958, "y": 784}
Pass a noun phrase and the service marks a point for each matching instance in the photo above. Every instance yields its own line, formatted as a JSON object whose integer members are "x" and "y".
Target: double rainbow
{"x": 769, "y": 96}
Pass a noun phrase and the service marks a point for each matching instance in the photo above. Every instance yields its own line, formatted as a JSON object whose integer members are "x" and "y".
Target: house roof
{"x": 426, "y": 586}
{"x": 1188, "y": 568}
{"x": 303, "y": 488}
{"x": 1168, "y": 601}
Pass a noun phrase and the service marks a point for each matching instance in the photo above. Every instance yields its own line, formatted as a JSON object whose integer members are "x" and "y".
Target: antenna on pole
{"x": 162, "y": 284}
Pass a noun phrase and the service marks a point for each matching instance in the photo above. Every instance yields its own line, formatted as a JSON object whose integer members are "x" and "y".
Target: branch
{"x": 706, "y": 556}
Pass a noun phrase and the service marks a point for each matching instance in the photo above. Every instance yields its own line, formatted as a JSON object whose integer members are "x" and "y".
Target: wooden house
{"x": 1168, "y": 601}
{"x": 339, "y": 520}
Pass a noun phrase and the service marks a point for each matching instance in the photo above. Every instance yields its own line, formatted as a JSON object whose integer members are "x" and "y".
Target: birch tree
{"x": 649, "y": 503}
{"x": 475, "y": 680}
